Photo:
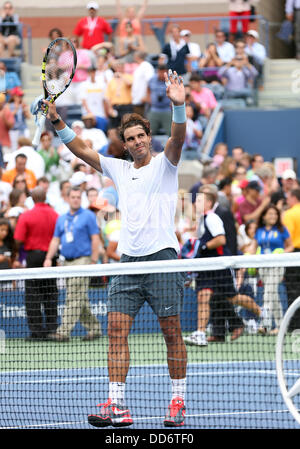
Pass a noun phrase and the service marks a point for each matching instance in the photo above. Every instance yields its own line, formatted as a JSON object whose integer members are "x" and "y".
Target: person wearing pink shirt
{"x": 202, "y": 96}
{"x": 84, "y": 62}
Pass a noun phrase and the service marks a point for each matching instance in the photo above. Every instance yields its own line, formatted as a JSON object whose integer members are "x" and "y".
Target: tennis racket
{"x": 58, "y": 69}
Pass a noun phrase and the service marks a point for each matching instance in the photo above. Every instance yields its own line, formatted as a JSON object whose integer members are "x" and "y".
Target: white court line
{"x": 148, "y": 366}
{"x": 152, "y": 418}
{"x": 136, "y": 376}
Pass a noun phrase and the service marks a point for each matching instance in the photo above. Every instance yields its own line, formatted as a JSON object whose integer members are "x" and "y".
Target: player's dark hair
{"x": 130, "y": 120}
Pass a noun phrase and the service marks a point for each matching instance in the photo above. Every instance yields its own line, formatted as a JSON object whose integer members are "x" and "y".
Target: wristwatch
{"x": 57, "y": 120}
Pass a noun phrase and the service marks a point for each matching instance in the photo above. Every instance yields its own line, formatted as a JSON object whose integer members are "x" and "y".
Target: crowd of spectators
{"x": 111, "y": 81}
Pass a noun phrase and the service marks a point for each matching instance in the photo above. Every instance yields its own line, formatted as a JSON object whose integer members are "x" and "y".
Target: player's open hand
{"x": 175, "y": 88}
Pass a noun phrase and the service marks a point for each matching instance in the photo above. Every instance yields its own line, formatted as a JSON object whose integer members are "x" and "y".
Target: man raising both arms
{"x": 147, "y": 189}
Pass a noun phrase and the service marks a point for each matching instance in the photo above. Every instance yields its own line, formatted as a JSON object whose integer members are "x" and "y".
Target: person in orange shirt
{"x": 20, "y": 169}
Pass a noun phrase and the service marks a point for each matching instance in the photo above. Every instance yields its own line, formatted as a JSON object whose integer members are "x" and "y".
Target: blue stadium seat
{"x": 13, "y": 64}
{"x": 74, "y": 113}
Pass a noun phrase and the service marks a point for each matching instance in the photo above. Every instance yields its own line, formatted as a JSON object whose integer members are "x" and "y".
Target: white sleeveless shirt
{"x": 147, "y": 202}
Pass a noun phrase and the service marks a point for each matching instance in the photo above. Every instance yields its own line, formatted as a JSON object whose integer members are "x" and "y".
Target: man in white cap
{"x": 79, "y": 179}
{"x": 92, "y": 28}
{"x": 255, "y": 49}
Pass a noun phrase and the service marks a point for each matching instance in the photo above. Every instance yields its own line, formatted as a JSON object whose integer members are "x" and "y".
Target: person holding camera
{"x": 160, "y": 106}
{"x": 238, "y": 77}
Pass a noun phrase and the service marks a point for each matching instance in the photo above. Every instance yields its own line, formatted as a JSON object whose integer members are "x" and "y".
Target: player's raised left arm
{"x": 176, "y": 93}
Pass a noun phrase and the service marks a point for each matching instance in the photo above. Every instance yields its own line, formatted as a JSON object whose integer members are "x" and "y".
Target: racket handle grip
{"x": 39, "y": 130}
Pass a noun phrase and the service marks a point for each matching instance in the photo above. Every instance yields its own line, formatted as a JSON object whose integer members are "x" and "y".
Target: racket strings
{"x": 59, "y": 67}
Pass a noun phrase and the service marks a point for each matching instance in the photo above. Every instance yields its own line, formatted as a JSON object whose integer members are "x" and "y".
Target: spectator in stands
{"x": 256, "y": 162}
{"x": 239, "y": 11}
{"x": 128, "y": 45}
{"x": 61, "y": 205}
{"x": 79, "y": 180}
{"x": 7, "y": 122}
{"x": 176, "y": 50}
{"x": 253, "y": 204}
{"x": 20, "y": 183}
{"x": 35, "y": 229}
{"x": 209, "y": 176}
{"x": 210, "y": 63}
{"x": 92, "y": 28}
{"x": 12, "y": 79}
{"x": 131, "y": 15}
{"x": 141, "y": 77}
{"x": 220, "y": 149}
{"x": 246, "y": 237}
{"x": 9, "y": 30}
{"x": 7, "y": 245}
{"x": 17, "y": 198}
{"x": 5, "y": 189}
{"x": 225, "y": 196}
{"x": 237, "y": 153}
{"x": 194, "y": 133}
{"x": 92, "y": 132}
{"x": 202, "y": 96}
{"x": 291, "y": 219}
{"x": 92, "y": 95}
{"x": 160, "y": 106}
{"x": 50, "y": 155}
{"x": 225, "y": 49}
{"x": 238, "y": 76}
{"x": 255, "y": 49}
{"x": 21, "y": 114}
{"x": 228, "y": 168}
{"x": 54, "y": 33}
{"x": 239, "y": 49}
{"x": 267, "y": 179}
{"x": 20, "y": 169}
{"x": 103, "y": 71}
{"x": 193, "y": 57}
{"x": 272, "y": 237}
{"x": 118, "y": 94}
{"x": 288, "y": 183}
{"x": 292, "y": 12}
{"x": 77, "y": 234}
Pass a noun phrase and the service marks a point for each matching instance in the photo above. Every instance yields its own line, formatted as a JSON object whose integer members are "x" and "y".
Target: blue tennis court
{"x": 240, "y": 395}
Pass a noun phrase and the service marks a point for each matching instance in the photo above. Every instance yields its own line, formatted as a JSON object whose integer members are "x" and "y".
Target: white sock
{"x": 117, "y": 392}
{"x": 178, "y": 388}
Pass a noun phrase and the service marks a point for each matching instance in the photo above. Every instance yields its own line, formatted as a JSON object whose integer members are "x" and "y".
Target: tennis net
{"x": 231, "y": 379}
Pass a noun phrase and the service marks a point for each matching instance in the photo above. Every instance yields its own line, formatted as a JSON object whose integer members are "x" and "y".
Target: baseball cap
{"x": 92, "y": 5}
{"x": 243, "y": 184}
{"x": 253, "y": 33}
{"x": 16, "y": 91}
{"x": 77, "y": 123}
{"x": 78, "y": 178}
{"x": 289, "y": 174}
{"x": 254, "y": 185}
{"x": 185, "y": 33}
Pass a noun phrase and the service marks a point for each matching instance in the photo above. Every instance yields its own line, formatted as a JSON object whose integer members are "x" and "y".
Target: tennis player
{"x": 147, "y": 189}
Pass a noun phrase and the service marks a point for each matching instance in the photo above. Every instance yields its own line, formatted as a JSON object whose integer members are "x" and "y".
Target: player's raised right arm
{"x": 73, "y": 142}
